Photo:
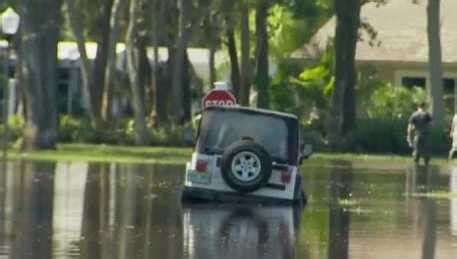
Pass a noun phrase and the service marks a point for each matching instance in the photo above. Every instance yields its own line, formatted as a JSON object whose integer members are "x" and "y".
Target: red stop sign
{"x": 218, "y": 98}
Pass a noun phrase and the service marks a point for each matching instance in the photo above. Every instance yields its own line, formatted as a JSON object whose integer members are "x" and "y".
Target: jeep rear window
{"x": 221, "y": 128}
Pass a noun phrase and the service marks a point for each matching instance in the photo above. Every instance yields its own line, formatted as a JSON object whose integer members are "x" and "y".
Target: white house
{"x": 69, "y": 76}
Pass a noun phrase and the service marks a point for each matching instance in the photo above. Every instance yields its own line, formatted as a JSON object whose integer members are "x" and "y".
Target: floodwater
{"x": 80, "y": 210}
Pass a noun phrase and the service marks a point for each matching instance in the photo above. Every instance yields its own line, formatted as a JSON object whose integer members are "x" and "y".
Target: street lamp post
{"x": 9, "y": 25}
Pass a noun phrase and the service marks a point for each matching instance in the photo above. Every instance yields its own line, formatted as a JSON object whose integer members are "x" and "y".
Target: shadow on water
{"x": 79, "y": 210}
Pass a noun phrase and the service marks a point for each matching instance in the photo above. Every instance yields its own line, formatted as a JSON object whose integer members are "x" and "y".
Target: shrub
{"x": 75, "y": 129}
{"x": 168, "y": 136}
{"x": 314, "y": 138}
{"x": 379, "y": 135}
{"x": 384, "y": 135}
{"x": 394, "y": 102}
{"x": 16, "y": 126}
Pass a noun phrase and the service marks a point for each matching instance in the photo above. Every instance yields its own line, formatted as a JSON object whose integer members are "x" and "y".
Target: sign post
{"x": 220, "y": 96}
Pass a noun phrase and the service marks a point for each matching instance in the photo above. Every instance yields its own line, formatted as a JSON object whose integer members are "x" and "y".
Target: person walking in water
{"x": 453, "y": 135}
{"x": 418, "y": 133}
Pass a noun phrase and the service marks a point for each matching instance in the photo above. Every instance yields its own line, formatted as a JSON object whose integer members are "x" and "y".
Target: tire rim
{"x": 246, "y": 166}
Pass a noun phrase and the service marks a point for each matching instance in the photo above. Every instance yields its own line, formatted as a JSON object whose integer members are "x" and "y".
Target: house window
{"x": 63, "y": 76}
{"x": 448, "y": 85}
{"x": 410, "y": 81}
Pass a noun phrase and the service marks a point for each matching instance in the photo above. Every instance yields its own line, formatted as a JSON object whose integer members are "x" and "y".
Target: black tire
{"x": 253, "y": 180}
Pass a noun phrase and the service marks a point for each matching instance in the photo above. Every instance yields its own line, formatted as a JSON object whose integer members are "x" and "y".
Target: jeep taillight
{"x": 286, "y": 176}
{"x": 201, "y": 166}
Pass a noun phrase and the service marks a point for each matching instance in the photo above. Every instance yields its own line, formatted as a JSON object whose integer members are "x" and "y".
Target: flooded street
{"x": 80, "y": 210}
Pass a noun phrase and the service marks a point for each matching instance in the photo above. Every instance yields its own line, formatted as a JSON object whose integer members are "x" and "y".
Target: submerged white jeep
{"x": 245, "y": 154}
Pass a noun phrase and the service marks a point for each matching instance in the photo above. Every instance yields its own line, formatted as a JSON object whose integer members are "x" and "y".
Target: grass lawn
{"x": 107, "y": 153}
{"x": 369, "y": 161}
{"x": 168, "y": 155}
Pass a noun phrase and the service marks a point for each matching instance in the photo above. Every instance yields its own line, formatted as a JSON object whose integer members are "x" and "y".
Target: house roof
{"x": 401, "y": 28}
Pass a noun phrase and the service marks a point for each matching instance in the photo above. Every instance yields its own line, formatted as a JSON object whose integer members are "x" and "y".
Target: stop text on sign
{"x": 210, "y": 103}
{"x": 218, "y": 98}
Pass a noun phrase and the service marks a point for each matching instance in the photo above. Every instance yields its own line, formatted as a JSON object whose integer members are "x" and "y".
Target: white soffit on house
{"x": 199, "y": 57}
{"x": 401, "y": 28}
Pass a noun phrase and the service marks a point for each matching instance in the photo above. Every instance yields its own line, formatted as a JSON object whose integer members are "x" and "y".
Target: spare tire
{"x": 246, "y": 166}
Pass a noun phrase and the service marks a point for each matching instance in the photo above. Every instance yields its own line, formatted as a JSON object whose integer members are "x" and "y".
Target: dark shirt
{"x": 421, "y": 121}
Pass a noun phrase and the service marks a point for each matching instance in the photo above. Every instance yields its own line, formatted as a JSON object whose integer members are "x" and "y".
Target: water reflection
{"x": 340, "y": 188}
{"x": 90, "y": 211}
{"x": 137, "y": 215}
{"x": 453, "y": 209}
{"x": 69, "y": 186}
{"x": 78, "y": 210}
{"x": 32, "y": 212}
{"x": 428, "y": 205}
{"x": 421, "y": 182}
{"x": 212, "y": 231}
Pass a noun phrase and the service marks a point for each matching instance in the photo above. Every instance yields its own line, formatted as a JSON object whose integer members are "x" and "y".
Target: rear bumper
{"x": 194, "y": 194}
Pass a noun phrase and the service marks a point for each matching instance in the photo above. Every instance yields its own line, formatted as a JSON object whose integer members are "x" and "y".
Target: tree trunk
{"x": 167, "y": 89}
{"x": 144, "y": 75}
{"x": 22, "y": 106}
{"x": 435, "y": 90}
{"x": 133, "y": 64}
{"x": 155, "y": 85}
{"x": 39, "y": 66}
{"x": 343, "y": 110}
{"x": 212, "y": 69}
{"x": 156, "y": 17}
{"x": 189, "y": 20}
{"x": 115, "y": 17}
{"x": 178, "y": 67}
{"x": 101, "y": 58}
{"x": 186, "y": 86}
{"x": 76, "y": 25}
{"x": 234, "y": 65}
{"x": 93, "y": 76}
{"x": 163, "y": 88}
{"x": 245, "y": 86}
{"x": 262, "y": 76}
{"x": 161, "y": 79}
